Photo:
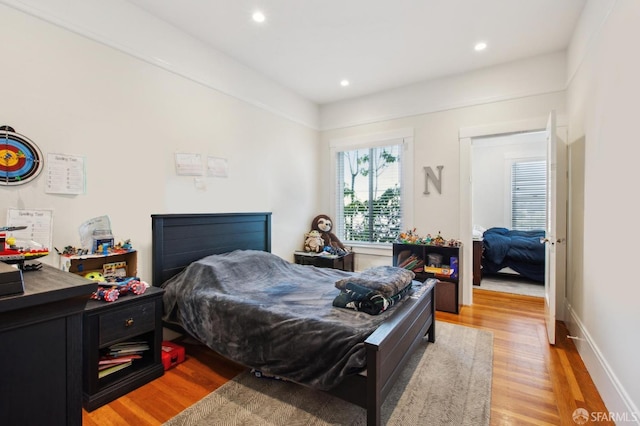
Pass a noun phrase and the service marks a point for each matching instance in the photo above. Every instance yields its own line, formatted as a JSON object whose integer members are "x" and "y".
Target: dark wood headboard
{"x": 179, "y": 239}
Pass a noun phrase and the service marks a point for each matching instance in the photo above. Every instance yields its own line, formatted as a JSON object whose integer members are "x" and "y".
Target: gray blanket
{"x": 271, "y": 315}
{"x": 386, "y": 280}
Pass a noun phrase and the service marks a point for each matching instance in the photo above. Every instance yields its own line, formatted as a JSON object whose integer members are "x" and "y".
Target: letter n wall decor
{"x": 429, "y": 175}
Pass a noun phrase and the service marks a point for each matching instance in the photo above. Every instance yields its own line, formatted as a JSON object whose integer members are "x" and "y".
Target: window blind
{"x": 528, "y": 195}
{"x": 368, "y": 196}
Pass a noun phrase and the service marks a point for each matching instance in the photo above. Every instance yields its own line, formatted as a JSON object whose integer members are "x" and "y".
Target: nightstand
{"x": 344, "y": 263}
{"x": 130, "y": 318}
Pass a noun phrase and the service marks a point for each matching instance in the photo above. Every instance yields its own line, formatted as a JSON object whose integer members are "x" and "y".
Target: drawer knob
{"x": 128, "y": 322}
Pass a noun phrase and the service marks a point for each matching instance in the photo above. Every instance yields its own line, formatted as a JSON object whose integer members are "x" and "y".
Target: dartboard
{"x": 20, "y": 159}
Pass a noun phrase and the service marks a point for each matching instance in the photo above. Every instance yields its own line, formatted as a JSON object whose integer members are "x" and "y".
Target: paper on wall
{"x": 38, "y": 222}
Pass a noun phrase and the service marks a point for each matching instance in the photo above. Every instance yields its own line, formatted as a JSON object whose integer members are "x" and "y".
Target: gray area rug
{"x": 445, "y": 383}
{"x": 514, "y": 286}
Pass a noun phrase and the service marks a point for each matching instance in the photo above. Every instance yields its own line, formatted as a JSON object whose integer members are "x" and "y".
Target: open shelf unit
{"x": 448, "y": 286}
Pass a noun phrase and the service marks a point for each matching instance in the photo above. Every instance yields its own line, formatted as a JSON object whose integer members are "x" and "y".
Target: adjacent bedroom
{"x": 509, "y": 212}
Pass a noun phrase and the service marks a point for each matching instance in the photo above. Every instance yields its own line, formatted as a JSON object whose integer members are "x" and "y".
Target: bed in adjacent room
{"x": 521, "y": 251}
{"x": 225, "y": 288}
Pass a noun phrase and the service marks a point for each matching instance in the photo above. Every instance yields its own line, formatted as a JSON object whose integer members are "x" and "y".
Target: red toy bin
{"x": 172, "y": 354}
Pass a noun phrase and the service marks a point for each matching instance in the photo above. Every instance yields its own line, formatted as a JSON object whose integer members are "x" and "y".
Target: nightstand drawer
{"x": 128, "y": 322}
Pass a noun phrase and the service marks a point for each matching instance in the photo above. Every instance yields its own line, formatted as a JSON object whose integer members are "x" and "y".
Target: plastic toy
{"x": 95, "y": 276}
{"x": 409, "y": 237}
{"x": 111, "y": 290}
{"x": 107, "y": 294}
{"x": 11, "y": 252}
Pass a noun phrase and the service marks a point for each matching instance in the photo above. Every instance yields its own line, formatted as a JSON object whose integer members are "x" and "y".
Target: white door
{"x": 551, "y": 235}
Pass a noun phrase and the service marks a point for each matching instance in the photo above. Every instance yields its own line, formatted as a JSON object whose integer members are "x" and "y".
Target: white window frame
{"x": 392, "y": 137}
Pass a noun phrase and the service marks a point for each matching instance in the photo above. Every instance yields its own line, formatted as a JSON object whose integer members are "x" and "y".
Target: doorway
{"x": 509, "y": 189}
{"x": 466, "y": 135}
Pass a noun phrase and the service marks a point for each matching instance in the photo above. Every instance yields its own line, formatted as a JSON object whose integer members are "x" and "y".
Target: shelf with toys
{"x": 114, "y": 267}
{"x": 120, "y": 260}
{"x": 432, "y": 257}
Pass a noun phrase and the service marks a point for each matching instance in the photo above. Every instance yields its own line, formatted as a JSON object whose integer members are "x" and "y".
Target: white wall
{"x": 491, "y": 160}
{"x": 513, "y": 80}
{"x": 602, "y": 97}
{"x": 126, "y": 27}
{"x": 127, "y": 117}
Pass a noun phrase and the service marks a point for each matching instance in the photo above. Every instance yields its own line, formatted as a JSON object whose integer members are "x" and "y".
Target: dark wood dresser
{"x": 41, "y": 349}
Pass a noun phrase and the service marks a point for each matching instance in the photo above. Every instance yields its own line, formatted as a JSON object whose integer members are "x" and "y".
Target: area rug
{"x": 445, "y": 383}
{"x": 504, "y": 285}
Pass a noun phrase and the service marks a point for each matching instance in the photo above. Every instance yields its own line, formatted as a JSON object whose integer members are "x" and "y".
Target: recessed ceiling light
{"x": 258, "y": 16}
{"x": 480, "y": 46}
{"x": 344, "y": 83}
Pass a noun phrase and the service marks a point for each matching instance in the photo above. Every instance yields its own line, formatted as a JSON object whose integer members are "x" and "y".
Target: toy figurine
{"x": 438, "y": 240}
{"x": 409, "y": 237}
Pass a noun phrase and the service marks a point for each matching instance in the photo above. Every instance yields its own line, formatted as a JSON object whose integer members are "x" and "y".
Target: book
{"x": 132, "y": 349}
{"x": 109, "y": 359}
{"x": 128, "y": 343}
{"x": 412, "y": 263}
{"x": 439, "y": 272}
{"x": 110, "y": 370}
{"x": 125, "y": 347}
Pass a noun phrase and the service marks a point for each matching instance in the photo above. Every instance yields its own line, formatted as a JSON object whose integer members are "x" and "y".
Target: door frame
{"x": 465, "y": 136}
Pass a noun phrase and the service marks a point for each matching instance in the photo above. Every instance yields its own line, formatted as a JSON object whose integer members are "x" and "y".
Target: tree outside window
{"x": 369, "y": 188}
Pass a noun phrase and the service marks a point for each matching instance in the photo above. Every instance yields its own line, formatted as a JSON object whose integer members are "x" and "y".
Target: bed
{"x": 181, "y": 240}
{"x": 521, "y": 251}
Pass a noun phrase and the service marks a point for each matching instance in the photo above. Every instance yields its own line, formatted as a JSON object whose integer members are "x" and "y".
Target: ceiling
{"x": 309, "y": 46}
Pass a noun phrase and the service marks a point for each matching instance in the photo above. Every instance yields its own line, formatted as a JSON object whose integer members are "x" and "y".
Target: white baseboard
{"x": 621, "y": 409}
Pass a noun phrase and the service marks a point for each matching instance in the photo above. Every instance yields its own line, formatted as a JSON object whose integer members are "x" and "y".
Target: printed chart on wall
{"x": 188, "y": 164}
{"x": 65, "y": 174}
{"x": 39, "y": 226}
{"x": 20, "y": 159}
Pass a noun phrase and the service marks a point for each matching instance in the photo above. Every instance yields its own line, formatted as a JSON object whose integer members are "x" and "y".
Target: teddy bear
{"x": 323, "y": 224}
{"x": 313, "y": 242}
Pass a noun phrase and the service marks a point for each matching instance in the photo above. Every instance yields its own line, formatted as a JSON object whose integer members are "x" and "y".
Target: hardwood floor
{"x": 533, "y": 383}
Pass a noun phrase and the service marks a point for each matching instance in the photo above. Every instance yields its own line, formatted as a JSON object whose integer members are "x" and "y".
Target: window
{"x": 528, "y": 195}
{"x": 369, "y": 189}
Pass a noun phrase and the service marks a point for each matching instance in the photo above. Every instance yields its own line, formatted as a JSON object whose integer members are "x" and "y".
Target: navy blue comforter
{"x": 521, "y": 251}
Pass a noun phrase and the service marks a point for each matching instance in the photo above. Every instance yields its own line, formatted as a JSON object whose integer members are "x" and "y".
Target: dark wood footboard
{"x": 388, "y": 350}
